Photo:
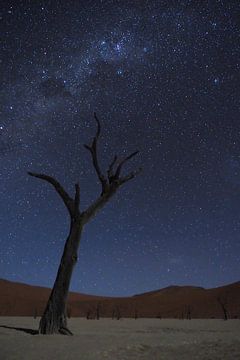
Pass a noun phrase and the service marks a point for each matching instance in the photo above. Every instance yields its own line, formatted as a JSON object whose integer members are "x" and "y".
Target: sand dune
{"x": 172, "y": 302}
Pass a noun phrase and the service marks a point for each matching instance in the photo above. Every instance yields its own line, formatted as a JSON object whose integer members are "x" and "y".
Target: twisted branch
{"x": 110, "y": 169}
{"x": 93, "y": 150}
{"x": 130, "y": 176}
{"x": 119, "y": 168}
{"x": 68, "y": 201}
{"x": 111, "y": 181}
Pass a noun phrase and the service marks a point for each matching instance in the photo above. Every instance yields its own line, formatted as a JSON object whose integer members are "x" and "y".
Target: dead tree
{"x": 189, "y": 312}
{"x": 98, "y": 311}
{"x": 54, "y": 317}
{"x": 118, "y": 313}
{"x": 223, "y": 303}
{"x": 135, "y": 313}
{"x": 88, "y": 314}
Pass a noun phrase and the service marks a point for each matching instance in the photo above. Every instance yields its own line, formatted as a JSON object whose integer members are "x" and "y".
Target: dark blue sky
{"x": 163, "y": 77}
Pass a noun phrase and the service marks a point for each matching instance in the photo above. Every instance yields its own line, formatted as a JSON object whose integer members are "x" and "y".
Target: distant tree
{"x": 118, "y": 313}
{"x": 135, "y": 313}
{"x": 88, "y": 314}
{"x": 189, "y": 312}
{"x": 222, "y": 300}
{"x": 54, "y": 318}
{"x": 98, "y": 311}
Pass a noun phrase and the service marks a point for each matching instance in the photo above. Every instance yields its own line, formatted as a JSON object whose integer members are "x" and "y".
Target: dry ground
{"x": 149, "y": 339}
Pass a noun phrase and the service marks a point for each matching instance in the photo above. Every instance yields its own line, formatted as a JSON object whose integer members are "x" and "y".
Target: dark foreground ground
{"x": 149, "y": 339}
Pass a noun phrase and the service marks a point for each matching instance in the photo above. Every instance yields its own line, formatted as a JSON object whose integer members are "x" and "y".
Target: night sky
{"x": 164, "y": 79}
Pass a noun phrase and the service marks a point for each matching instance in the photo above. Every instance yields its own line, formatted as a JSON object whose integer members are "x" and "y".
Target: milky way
{"x": 163, "y": 77}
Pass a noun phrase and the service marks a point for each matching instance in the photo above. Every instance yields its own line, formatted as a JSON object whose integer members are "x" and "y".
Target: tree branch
{"x": 104, "y": 198}
{"x": 68, "y": 201}
{"x": 77, "y": 197}
{"x": 98, "y": 125}
{"x": 111, "y": 181}
{"x": 119, "y": 168}
{"x": 110, "y": 169}
{"x": 130, "y": 176}
{"x": 98, "y": 204}
{"x": 93, "y": 150}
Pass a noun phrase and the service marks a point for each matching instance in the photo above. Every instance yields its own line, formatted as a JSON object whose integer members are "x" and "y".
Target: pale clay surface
{"x": 149, "y": 339}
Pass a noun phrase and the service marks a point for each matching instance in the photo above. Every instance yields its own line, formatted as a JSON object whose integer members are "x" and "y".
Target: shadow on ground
{"x": 28, "y": 331}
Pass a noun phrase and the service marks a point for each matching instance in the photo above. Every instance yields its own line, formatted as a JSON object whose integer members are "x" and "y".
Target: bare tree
{"x": 135, "y": 313}
{"x": 189, "y": 312}
{"x": 88, "y": 314}
{"x": 54, "y": 317}
{"x": 118, "y": 313}
{"x": 223, "y": 303}
{"x": 98, "y": 311}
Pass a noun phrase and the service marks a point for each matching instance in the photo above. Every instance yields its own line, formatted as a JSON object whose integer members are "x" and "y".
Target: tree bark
{"x": 54, "y": 319}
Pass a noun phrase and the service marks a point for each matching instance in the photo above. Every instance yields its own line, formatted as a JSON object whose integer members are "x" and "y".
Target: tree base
{"x": 50, "y": 330}
{"x": 53, "y": 323}
{"x": 62, "y": 331}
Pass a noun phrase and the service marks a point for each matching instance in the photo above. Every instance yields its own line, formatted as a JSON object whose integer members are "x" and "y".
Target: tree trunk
{"x": 54, "y": 319}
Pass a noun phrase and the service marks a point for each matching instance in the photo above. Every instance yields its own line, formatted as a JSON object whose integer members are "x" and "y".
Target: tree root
{"x": 65, "y": 331}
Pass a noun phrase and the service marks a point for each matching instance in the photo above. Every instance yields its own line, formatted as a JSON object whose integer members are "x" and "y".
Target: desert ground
{"x": 150, "y": 339}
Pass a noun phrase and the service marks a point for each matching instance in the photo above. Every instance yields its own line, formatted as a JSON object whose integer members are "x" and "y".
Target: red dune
{"x": 17, "y": 299}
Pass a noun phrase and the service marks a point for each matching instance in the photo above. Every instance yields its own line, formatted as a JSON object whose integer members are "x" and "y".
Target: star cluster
{"x": 163, "y": 77}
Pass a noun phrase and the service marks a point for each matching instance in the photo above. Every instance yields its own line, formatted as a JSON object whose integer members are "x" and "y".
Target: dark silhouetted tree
{"x": 54, "y": 317}
{"x": 189, "y": 312}
{"x": 222, "y": 300}
{"x": 98, "y": 311}
{"x": 118, "y": 313}
{"x": 135, "y": 313}
{"x": 88, "y": 314}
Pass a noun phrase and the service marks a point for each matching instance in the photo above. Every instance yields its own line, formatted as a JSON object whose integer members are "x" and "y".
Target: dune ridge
{"x": 18, "y": 299}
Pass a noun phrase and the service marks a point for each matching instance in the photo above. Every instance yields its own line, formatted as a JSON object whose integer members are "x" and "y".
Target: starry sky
{"x": 163, "y": 77}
